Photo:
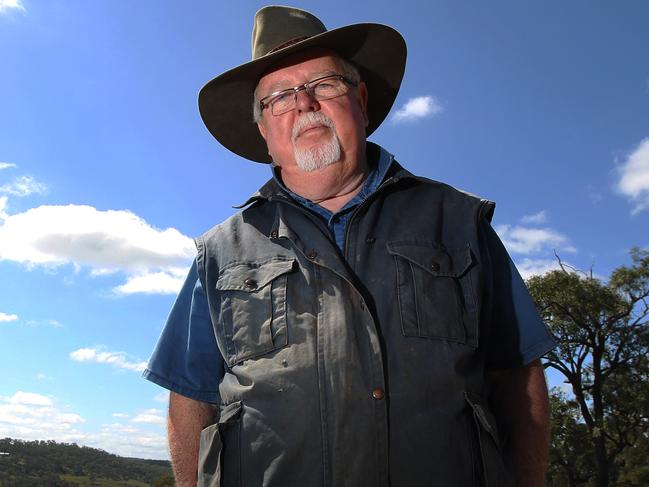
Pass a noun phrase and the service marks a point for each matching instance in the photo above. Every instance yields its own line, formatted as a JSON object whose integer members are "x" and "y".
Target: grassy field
{"x": 86, "y": 481}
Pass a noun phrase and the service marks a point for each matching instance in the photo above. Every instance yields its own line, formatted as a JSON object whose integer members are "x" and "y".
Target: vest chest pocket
{"x": 435, "y": 293}
{"x": 253, "y": 308}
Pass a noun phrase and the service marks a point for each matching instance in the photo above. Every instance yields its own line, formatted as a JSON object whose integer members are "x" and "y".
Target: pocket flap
{"x": 433, "y": 259}
{"x": 231, "y": 412}
{"x": 483, "y": 415}
{"x": 251, "y": 276}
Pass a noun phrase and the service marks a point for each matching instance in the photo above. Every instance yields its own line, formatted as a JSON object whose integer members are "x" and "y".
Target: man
{"x": 354, "y": 324}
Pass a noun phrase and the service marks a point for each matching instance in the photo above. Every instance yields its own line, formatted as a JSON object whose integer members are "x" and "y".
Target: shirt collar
{"x": 379, "y": 161}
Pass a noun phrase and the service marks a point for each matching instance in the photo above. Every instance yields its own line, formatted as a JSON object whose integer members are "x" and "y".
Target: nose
{"x": 306, "y": 102}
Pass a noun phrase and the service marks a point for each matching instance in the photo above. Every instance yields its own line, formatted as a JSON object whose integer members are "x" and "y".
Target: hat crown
{"x": 277, "y": 26}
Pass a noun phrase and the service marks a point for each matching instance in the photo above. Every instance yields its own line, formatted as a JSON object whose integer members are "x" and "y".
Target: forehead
{"x": 299, "y": 68}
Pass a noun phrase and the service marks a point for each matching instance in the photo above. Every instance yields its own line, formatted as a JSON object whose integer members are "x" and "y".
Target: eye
{"x": 326, "y": 87}
{"x": 283, "y": 98}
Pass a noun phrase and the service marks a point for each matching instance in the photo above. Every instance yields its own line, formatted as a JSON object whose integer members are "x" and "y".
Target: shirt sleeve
{"x": 516, "y": 334}
{"x": 186, "y": 359}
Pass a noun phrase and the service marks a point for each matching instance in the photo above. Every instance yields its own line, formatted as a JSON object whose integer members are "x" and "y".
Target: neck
{"x": 331, "y": 187}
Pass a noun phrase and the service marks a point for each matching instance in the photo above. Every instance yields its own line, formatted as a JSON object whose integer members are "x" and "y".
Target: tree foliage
{"x": 52, "y": 464}
{"x": 572, "y": 462}
{"x": 603, "y": 334}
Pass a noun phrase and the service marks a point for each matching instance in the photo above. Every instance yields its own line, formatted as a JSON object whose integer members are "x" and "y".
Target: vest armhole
{"x": 200, "y": 259}
{"x": 486, "y": 210}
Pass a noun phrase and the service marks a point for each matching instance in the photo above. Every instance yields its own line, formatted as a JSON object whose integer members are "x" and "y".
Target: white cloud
{"x": 6, "y": 318}
{"x": 129, "y": 441}
{"x": 11, "y": 4}
{"x": 634, "y": 177}
{"x": 104, "y": 241}
{"x": 116, "y": 359}
{"x": 162, "y": 397}
{"x": 594, "y": 195}
{"x": 23, "y": 186}
{"x": 524, "y": 240}
{"x": 540, "y": 217}
{"x": 416, "y": 108}
{"x": 30, "y": 399}
{"x": 536, "y": 267}
{"x": 31, "y": 416}
{"x": 6, "y": 165}
{"x": 3, "y": 206}
{"x": 150, "y": 416}
{"x": 120, "y": 415}
{"x": 52, "y": 323}
{"x": 168, "y": 282}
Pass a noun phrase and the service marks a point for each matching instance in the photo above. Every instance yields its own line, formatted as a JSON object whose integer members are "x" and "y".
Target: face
{"x": 316, "y": 133}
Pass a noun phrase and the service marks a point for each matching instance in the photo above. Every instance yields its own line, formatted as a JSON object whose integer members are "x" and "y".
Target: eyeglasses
{"x": 323, "y": 88}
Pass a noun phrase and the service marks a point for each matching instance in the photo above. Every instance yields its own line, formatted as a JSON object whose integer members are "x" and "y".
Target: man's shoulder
{"x": 243, "y": 217}
{"x": 441, "y": 190}
{"x": 217, "y": 229}
{"x": 252, "y": 217}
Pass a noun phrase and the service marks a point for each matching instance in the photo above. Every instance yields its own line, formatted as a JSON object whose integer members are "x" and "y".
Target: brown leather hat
{"x": 225, "y": 103}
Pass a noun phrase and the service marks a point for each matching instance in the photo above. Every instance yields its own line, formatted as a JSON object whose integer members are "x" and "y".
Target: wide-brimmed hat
{"x": 226, "y": 102}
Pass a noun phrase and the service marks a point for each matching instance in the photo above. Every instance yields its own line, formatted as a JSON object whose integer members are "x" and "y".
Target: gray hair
{"x": 349, "y": 71}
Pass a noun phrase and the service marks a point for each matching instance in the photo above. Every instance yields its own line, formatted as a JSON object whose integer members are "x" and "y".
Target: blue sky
{"x": 107, "y": 173}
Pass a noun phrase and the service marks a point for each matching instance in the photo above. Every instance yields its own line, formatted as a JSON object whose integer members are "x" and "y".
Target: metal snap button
{"x": 250, "y": 283}
{"x": 434, "y": 266}
{"x": 378, "y": 394}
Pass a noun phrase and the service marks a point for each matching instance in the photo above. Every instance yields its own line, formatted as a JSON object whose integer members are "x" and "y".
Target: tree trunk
{"x": 601, "y": 479}
{"x": 599, "y": 440}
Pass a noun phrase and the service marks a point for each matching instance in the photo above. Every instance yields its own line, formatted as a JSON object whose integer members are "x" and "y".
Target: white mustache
{"x": 310, "y": 120}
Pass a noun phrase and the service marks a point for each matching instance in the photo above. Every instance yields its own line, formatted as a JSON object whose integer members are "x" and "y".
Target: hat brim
{"x": 225, "y": 103}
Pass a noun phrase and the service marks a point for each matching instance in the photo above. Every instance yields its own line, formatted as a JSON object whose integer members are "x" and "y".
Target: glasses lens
{"x": 321, "y": 89}
{"x": 283, "y": 102}
{"x": 329, "y": 87}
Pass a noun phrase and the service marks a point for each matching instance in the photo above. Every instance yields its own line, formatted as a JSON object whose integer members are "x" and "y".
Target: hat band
{"x": 288, "y": 43}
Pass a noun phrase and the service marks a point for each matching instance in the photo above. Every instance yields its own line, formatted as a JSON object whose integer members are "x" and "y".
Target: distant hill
{"x": 51, "y": 464}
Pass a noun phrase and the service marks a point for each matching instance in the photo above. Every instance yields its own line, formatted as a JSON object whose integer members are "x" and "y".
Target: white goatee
{"x": 322, "y": 155}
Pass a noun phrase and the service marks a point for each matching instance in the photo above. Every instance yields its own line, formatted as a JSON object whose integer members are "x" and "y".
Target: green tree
{"x": 602, "y": 329}
{"x": 571, "y": 461}
{"x": 166, "y": 480}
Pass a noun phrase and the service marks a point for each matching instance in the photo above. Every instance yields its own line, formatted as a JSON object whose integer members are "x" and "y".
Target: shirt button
{"x": 312, "y": 255}
{"x": 434, "y": 266}
{"x": 250, "y": 283}
{"x": 378, "y": 394}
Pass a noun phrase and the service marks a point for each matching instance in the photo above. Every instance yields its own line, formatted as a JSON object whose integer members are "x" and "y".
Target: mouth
{"x": 311, "y": 130}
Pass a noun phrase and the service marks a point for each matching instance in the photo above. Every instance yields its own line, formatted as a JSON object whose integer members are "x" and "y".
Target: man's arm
{"x": 520, "y": 403}
{"x": 187, "y": 417}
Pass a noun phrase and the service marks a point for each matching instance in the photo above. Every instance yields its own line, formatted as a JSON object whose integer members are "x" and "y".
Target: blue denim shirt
{"x": 186, "y": 359}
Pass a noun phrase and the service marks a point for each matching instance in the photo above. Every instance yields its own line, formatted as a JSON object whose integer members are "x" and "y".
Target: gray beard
{"x": 321, "y": 156}
{"x": 318, "y": 157}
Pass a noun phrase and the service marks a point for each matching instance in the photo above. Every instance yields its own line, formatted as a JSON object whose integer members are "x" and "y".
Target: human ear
{"x": 262, "y": 129}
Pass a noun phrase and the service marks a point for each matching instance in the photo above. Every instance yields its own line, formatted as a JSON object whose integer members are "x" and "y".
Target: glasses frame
{"x": 263, "y": 104}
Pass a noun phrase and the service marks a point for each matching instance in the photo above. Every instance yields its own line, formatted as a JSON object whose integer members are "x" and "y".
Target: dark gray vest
{"x": 359, "y": 370}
